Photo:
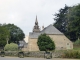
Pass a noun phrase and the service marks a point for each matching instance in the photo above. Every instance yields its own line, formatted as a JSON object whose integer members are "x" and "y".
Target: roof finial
{"x": 36, "y": 17}
{"x": 36, "y": 22}
{"x": 43, "y": 27}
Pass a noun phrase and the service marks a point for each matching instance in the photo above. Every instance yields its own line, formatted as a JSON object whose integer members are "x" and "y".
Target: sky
{"x": 22, "y": 13}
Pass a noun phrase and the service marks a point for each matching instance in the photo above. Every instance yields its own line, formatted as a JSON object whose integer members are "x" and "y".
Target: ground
{"x": 16, "y": 58}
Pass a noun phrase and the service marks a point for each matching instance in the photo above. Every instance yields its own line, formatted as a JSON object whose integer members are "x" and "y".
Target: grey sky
{"x": 23, "y": 12}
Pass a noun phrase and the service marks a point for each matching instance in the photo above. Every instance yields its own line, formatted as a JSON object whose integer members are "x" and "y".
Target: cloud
{"x": 23, "y": 12}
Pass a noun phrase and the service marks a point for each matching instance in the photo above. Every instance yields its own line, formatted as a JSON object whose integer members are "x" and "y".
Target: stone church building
{"x": 60, "y": 40}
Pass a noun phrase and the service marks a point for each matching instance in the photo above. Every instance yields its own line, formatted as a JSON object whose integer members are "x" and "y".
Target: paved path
{"x": 16, "y": 58}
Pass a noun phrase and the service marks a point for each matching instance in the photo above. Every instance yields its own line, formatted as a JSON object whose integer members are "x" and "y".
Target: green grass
{"x": 76, "y": 48}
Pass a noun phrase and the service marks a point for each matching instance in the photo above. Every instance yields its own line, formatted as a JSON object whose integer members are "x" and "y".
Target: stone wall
{"x": 61, "y": 43}
{"x": 32, "y": 45}
{"x": 41, "y": 54}
{"x": 11, "y": 53}
{"x": 36, "y": 54}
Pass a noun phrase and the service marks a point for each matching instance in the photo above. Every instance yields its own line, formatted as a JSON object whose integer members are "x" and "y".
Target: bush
{"x": 11, "y": 47}
{"x": 6, "y": 48}
{"x": 72, "y": 54}
{"x": 77, "y": 42}
{"x": 45, "y": 43}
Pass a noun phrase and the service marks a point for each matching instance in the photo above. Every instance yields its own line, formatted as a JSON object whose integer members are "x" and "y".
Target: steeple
{"x": 36, "y": 22}
{"x": 36, "y": 27}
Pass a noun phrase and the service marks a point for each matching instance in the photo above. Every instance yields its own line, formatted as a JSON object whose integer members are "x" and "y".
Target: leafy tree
{"x": 4, "y": 34}
{"x": 61, "y": 20}
{"x": 45, "y": 43}
{"x": 68, "y": 21}
{"x": 74, "y": 22}
{"x": 16, "y": 34}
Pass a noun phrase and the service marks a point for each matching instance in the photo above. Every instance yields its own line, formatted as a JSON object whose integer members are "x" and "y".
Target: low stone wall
{"x": 57, "y": 53}
{"x": 11, "y": 53}
{"x": 37, "y": 54}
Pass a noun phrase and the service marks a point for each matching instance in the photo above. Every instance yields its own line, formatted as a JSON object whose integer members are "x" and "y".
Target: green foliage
{"x": 16, "y": 34}
{"x": 61, "y": 20}
{"x": 45, "y": 43}
{"x": 74, "y": 21}
{"x": 77, "y": 42}
{"x": 4, "y": 34}
{"x": 11, "y": 47}
{"x": 72, "y": 54}
{"x": 68, "y": 21}
{"x": 76, "y": 45}
{"x": 10, "y": 33}
{"x": 6, "y": 48}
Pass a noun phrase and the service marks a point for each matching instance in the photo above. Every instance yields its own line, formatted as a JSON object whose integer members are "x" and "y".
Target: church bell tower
{"x": 36, "y": 27}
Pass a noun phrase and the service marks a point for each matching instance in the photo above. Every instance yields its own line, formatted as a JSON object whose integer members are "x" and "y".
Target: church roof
{"x": 51, "y": 30}
{"x": 34, "y": 34}
{"x": 48, "y": 30}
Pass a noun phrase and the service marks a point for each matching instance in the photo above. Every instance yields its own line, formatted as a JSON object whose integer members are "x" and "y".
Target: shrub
{"x": 72, "y": 54}
{"x": 11, "y": 47}
{"x": 6, "y": 48}
{"x": 45, "y": 43}
{"x": 77, "y": 42}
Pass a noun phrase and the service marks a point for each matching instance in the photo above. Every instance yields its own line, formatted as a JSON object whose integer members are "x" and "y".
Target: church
{"x": 60, "y": 40}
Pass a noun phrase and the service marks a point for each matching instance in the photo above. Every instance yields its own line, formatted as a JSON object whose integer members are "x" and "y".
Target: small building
{"x": 60, "y": 40}
{"x": 22, "y": 45}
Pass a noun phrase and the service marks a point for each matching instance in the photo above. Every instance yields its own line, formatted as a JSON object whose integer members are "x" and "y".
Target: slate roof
{"x": 48, "y": 30}
{"x": 22, "y": 43}
{"x": 51, "y": 30}
{"x": 34, "y": 34}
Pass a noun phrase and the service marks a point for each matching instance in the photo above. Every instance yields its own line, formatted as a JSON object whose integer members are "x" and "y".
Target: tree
{"x": 61, "y": 20}
{"x": 45, "y": 43}
{"x": 74, "y": 22}
{"x": 16, "y": 34}
{"x": 4, "y": 34}
{"x": 68, "y": 22}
